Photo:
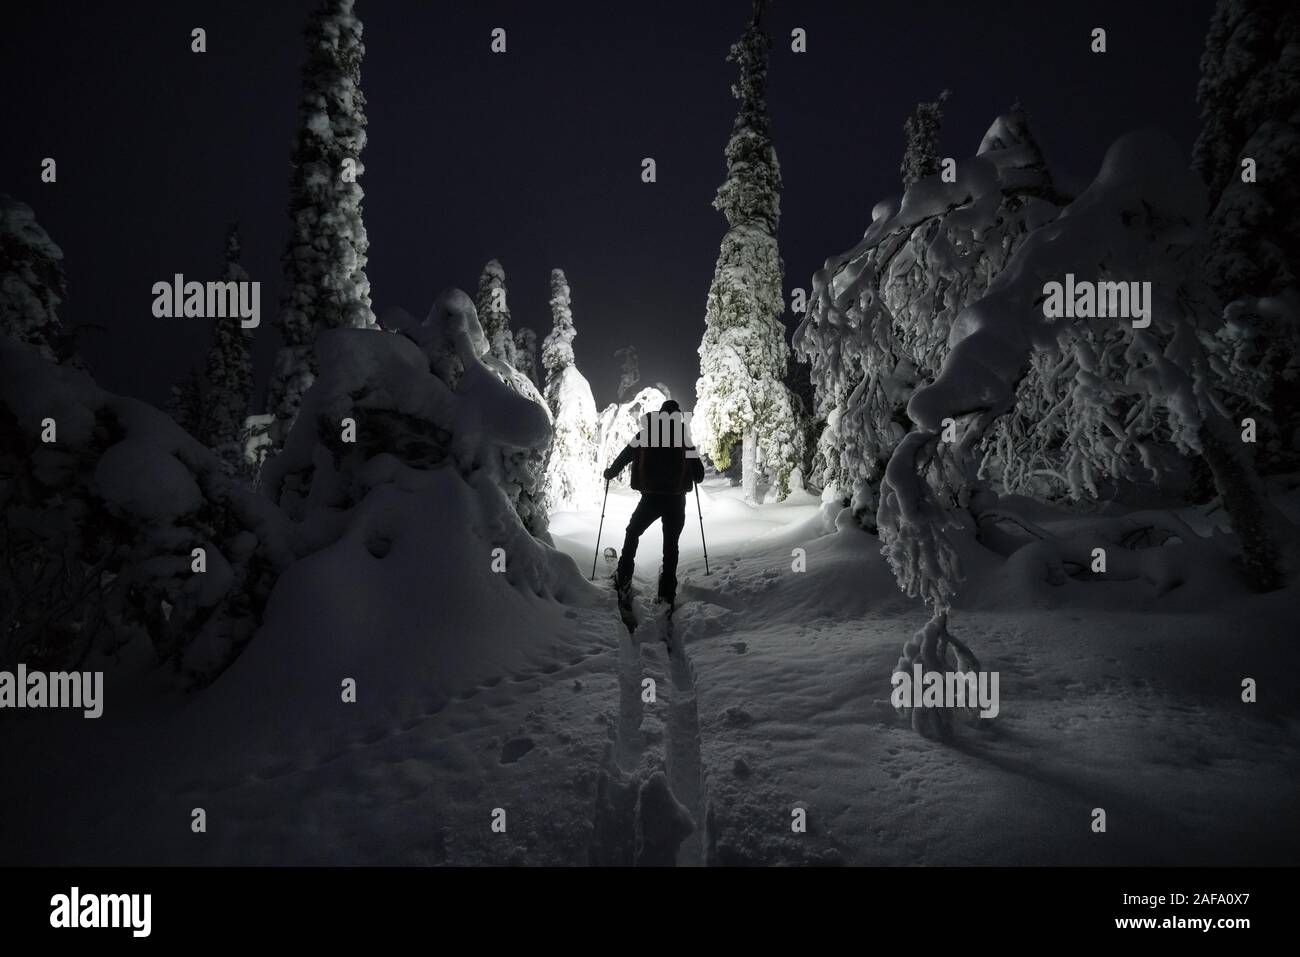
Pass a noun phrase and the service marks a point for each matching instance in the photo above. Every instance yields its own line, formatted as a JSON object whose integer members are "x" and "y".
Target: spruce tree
{"x": 630, "y": 374}
{"x": 325, "y": 284}
{"x": 526, "y": 354}
{"x": 743, "y": 355}
{"x": 557, "y": 347}
{"x": 1247, "y": 154}
{"x": 32, "y": 285}
{"x": 228, "y": 375}
{"x": 572, "y": 473}
{"x": 186, "y": 402}
{"x": 921, "y": 156}
{"x": 494, "y": 311}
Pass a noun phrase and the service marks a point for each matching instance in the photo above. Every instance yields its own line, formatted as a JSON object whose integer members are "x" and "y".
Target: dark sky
{"x": 532, "y": 157}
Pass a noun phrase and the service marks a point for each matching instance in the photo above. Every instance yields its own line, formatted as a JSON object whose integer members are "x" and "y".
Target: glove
{"x": 609, "y": 474}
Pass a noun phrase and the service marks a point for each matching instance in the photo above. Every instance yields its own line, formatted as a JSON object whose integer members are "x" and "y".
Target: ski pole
{"x": 600, "y": 527}
{"x": 700, "y": 512}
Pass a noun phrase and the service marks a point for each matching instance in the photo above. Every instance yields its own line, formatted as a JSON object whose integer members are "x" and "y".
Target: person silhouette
{"x": 665, "y": 467}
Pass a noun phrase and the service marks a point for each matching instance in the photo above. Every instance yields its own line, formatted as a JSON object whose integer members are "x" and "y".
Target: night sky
{"x": 532, "y": 157}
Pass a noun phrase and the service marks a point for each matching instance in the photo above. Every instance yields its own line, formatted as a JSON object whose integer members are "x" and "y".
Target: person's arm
{"x": 697, "y": 465}
{"x": 621, "y": 462}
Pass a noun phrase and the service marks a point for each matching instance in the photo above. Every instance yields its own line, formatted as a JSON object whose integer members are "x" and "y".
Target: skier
{"x": 665, "y": 466}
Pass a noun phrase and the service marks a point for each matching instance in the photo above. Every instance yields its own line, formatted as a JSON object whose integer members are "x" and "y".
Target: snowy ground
{"x": 777, "y": 698}
{"x": 1111, "y": 698}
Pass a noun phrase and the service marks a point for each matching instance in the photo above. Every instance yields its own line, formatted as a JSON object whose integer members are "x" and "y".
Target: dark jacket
{"x": 662, "y": 469}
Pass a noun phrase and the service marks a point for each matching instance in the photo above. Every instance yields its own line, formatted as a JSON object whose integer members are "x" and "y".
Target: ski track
{"x": 685, "y": 766}
{"x": 673, "y": 745}
{"x": 642, "y": 654}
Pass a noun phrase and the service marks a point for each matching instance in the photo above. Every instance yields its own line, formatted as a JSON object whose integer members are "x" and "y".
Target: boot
{"x": 623, "y": 582}
{"x": 667, "y": 588}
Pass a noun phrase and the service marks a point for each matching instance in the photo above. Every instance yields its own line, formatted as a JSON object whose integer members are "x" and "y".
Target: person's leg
{"x": 674, "y": 515}
{"x": 641, "y": 519}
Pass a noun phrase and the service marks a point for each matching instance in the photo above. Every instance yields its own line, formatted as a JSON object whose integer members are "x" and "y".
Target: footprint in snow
{"x": 515, "y": 749}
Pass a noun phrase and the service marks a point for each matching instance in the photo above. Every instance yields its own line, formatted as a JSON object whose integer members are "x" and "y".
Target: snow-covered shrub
{"x": 880, "y": 314}
{"x": 99, "y": 527}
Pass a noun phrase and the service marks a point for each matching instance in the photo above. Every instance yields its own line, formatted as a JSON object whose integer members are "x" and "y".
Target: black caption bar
{"x": 241, "y": 905}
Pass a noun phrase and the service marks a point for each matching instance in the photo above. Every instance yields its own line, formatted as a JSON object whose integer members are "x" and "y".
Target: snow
{"x": 1112, "y": 696}
{"x": 127, "y": 495}
{"x": 740, "y": 393}
{"x": 619, "y": 422}
{"x": 880, "y": 317}
{"x": 572, "y": 470}
{"x": 143, "y": 480}
{"x": 1136, "y": 218}
{"x": 325, "y": 284}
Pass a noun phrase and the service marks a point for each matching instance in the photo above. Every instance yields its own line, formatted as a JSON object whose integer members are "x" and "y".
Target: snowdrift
{"x": 428, "y": 575}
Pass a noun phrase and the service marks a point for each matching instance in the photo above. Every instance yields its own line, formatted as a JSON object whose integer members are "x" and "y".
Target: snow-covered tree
{"x": 880, "y": 315}
{"x": 798, "y": 379}
{"x": 921, "y": 156}
{"x": 185, "y": 403}
{"x": 1140, "y": 221}
{"x": 325, "y": 284}
{"x": 557, "y": 347}
{"x": 32, "y": 285}
{"x": 1248, "y": 153}
{"x": 740, "y": 394}
{"x": 494, "y": 311}
{"x": 526, "y": 354}
{"x": 99, "y": 537}
{"x": 212, "y": 404}
{"x": 629, "y": 376}
{"x": 457, "y": 346}
{"x": 572, "y": 472}
{"x": 620, "y": 421}
{"x": 228, "y": 376}
{"x": 429, "y": 396}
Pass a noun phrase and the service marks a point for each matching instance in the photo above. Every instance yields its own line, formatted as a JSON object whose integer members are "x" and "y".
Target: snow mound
{"x": 423, "y": 572}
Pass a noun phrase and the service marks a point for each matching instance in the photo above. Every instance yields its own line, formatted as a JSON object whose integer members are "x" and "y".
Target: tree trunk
{"x": 1261, "y": 530}
{"x": 749, "y": 467}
